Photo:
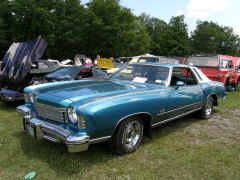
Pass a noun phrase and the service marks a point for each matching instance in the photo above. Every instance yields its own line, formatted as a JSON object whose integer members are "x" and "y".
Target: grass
{"x": 187, "y": 148}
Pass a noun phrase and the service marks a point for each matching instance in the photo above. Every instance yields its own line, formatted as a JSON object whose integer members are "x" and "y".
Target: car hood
{"x": 16, "y": 65}
{"x": 87, "y": 90}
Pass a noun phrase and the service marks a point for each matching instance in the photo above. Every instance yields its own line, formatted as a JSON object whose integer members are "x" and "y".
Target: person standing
{"x": 78, "y": 62}
{"x": 98, "y": 57}
{"x": 88, "y": 60}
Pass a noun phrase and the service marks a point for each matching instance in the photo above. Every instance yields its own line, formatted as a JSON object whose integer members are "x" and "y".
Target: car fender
{"x": 104, "y": 116}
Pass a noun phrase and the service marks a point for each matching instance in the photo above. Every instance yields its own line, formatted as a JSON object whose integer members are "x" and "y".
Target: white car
{"x": 65, "y": 63}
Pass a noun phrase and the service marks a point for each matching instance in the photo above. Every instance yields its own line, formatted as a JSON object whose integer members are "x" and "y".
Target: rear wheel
{"x": 127, "y": 136}
{"x": 206, "y": 111}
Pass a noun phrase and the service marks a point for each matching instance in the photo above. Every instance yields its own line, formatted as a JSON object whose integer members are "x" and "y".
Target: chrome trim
{"x": 139, "y": 113}
{"x": 51, "y": 107}
{"x": 51, "y": 113}
{"x": 176, "y": 117}
{"x": 224, "y": 95}
{"x": 23, "y": 110}
{"x": 180, "y": 108}
{"x": 93, "y": 141}
{"x": 44, "y": 130}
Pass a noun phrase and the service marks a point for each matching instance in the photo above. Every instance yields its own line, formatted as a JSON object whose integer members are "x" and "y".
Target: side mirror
{"x": 179, "y": 83}
{"x": 237, "y": 67}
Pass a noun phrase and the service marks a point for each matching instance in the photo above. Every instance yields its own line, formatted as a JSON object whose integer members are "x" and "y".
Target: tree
{"x": 24, "y": 20}
{"x": 174, "y": 40}
{"x": 6, "y": 27}
{"x": 155, "y": 28}
{"x": 209, "y": 37}
{"x": 112, "y": 30}
{"x": 68, "y": 21}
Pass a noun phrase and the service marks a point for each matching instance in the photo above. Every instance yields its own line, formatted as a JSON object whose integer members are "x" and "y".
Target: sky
{"x": 222, "y": 12}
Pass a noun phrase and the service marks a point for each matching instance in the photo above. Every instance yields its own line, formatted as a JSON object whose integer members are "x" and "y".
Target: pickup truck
{"x": 222, "y": 68}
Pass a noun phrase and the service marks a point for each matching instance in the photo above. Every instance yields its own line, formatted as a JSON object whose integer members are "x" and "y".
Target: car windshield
{"x": 148, "y": 59}
{"x": 64, "y": 73}
{"x": 203, "y": 61}
{"x": 143, "y": 74}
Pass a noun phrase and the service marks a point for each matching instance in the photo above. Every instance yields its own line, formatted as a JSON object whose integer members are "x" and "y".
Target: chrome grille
{"x": 51, "y": 113}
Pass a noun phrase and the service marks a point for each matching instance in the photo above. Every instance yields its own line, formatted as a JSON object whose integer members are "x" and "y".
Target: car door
{"x": 182, "y": 100}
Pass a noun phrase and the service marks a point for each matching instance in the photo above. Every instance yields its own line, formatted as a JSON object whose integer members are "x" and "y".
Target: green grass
{"x": 187, "y": 148}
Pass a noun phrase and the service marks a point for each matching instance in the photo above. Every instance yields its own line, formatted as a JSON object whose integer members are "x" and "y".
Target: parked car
{"x": 70, "y": 73}
{"x": 152, "y": 58}
{"x": 108, "y": 66}
{"x": 41, "y": 67}
{"x": 65, "y": 63}
{"x": 120, "y": 109}
{"x": 19, "y": 66}
{"x": 217, "y": 68}
{"x": 13, "y": 93}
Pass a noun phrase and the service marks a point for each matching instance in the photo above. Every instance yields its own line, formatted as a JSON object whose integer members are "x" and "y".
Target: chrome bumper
{"x": 224, "y": 95}
{"x": 39, "y": 129}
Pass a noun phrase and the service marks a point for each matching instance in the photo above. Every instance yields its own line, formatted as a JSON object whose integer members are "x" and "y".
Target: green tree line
{"x": 106, "y": 28}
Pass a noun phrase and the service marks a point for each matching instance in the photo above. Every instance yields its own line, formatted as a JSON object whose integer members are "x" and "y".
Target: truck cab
{"x": 217, "y": 68}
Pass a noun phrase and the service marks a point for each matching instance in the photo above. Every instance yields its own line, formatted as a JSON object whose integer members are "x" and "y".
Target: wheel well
{"x": 227, "y": 82}
{"x": 215, "y": 101}
{"x": 147, "y": 119}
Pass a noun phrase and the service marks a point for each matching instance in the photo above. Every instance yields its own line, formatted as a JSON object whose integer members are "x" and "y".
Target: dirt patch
{"x": 217, "y": 129}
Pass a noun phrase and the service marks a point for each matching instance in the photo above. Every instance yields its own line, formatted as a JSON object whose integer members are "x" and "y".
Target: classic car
{"x": 108, "y": 66}
{"x": 120, "y": 109}
{"x": 20, "y": 65}
{"x": 152, "y": 58}
{"x": 70, "y": 73}
{"x": 12, "y": 93}
{"x": 65, "y": 63}
{"x": 41, "y": 67}
{"x": 17, "y": 68}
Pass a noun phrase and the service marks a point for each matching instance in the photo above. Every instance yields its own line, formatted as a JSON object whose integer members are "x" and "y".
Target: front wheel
{"x": 206, "y": 111}
{"x": 127, "y": 136}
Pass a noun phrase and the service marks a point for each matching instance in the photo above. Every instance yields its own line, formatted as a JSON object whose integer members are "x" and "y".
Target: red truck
{"x": 222, "y": 68}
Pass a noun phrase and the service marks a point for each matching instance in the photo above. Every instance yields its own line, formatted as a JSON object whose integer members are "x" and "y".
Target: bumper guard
{"x": 39, "y": 129}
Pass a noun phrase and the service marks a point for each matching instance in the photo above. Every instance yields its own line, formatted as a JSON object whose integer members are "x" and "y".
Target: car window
{"x": 226, "y": 64}
{"x": 204, "y": 61}
{"x": 63, "y": 73}
{"x": 100, "y": 73}
{"x": 143, "y": 74}
{"x": 183, "y": 74}
{"x": 86, "y": 73}
{"x": 198, "y": 75}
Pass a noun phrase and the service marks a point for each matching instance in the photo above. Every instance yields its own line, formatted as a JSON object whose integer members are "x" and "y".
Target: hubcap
{"x": 132, "y": 134}
{"x": 209, "y": 108}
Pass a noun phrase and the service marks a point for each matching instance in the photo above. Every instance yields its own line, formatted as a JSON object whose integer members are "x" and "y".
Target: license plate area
{"x": 30, "y": 131}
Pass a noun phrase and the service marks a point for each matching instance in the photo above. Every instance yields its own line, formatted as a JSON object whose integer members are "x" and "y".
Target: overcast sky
{"x": 223, "y": 12}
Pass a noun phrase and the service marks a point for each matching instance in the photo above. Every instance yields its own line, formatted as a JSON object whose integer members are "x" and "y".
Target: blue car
{"x": 120, "y": 109}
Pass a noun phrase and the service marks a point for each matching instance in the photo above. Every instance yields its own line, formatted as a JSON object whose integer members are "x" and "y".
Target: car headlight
{"x": 32, "y": 97}
{"x": 72, "y": 114}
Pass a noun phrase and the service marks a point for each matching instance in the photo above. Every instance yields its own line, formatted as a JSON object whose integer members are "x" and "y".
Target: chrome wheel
{"x": 132, "y": 134}
{"x": 209, "y": 107}
{"x": 127, "y": 135}
{"x": 206, "y": 111}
